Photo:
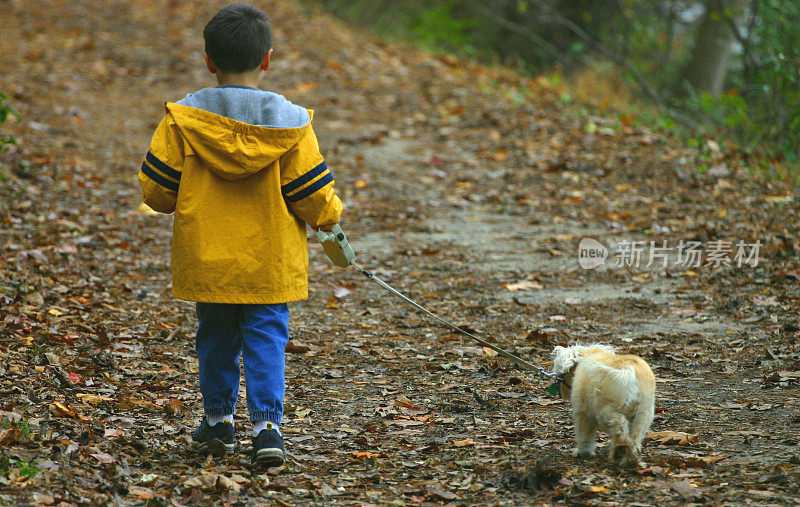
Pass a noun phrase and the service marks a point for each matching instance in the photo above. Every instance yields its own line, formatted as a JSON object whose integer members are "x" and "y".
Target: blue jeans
{"x": 259, "y": 333}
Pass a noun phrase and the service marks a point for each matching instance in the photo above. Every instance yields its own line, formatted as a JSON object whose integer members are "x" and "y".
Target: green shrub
{"x": 6, "y": 110}
{"x": 438, "y": 27}
{"x": 26, "y": 469}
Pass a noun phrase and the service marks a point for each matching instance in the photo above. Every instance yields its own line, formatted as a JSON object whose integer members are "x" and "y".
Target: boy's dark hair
{"x": 238, "y": 37}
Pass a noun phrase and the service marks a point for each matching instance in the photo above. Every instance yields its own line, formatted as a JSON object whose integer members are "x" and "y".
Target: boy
{"x": 242, "y": 171}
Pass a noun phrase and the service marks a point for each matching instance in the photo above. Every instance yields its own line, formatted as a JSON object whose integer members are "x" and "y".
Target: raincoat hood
{"x": 229, "y": 148}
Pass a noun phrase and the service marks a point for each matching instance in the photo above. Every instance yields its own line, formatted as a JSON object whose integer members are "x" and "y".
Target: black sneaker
{"x": 268, "y": 449}
{"x": 217, "y": 439}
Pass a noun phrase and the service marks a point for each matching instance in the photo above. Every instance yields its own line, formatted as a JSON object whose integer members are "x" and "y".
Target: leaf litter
{"x": 456, "y": 195}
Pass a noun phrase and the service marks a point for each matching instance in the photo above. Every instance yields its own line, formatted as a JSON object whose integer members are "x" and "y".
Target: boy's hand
{"x": 336, "y": 246}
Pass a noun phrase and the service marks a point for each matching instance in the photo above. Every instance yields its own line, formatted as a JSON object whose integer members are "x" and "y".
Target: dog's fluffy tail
{"x": 618, "y": 383}
{"x": 564, "y": 358}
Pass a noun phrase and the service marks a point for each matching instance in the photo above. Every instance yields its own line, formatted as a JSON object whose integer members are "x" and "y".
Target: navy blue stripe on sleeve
{"x": 302, "y": 180}
{"x": 164, "y": 182}
{"x": 161, "y": 166}
{"x": 328, "y": 178}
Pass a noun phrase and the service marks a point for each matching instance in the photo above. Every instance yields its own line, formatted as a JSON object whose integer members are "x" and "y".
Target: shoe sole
{"x": 271, "y": 457}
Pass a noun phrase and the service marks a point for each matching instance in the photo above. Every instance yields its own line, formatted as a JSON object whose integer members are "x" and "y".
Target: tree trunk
{"x": 708, "y": 65}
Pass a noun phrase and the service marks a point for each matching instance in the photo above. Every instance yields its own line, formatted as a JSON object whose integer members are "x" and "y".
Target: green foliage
{"x": 772, "y": 77}
{"x": 392, "y": 19}
{"x": 439, "y": 27}
{"x": 26, "y": 469}
{"x": 729, "y": 110}
{"x": 6, "y": 110}
{"x": 762, "y": 104}
{"x": 25, "y": 429}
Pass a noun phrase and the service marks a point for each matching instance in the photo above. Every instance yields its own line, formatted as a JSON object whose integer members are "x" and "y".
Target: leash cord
{"x": 513, "y": 357}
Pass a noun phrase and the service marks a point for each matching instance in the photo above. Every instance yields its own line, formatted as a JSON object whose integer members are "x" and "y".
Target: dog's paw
{"x": 584, "y": 453}
{"x": 621, "y": 451}
{"x": 624, "y": 455}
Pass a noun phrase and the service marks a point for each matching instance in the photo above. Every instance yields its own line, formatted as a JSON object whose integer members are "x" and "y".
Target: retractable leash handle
{"x": 336, "y": 247}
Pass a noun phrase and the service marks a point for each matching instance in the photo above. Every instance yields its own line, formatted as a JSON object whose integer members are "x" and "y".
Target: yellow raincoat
{"x": 241, "y": 195}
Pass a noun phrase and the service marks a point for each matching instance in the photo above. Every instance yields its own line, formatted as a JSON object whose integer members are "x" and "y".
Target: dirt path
{"x": 459, "y": 182}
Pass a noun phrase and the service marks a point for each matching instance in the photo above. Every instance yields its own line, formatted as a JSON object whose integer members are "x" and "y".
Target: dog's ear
{"x": 561, "y": 361}
{"x": 564, "y": 358}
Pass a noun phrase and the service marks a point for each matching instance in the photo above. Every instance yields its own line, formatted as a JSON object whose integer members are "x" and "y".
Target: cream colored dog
{"x": 609, "y": 392}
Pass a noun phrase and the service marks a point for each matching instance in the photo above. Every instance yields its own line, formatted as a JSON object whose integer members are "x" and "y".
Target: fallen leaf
{"x": 61, "y": 410}
{"x": 544, "y": 401}
{"x": 305, "y": 86}
{"x": 673, "y": 437}
{"x": 522, "y": 285}
{"x": 296, "y": 347}
{"x": 710, "y": 459}
{"x": 626, "y": 120}
{"x": 44, "y": 498}
{"x": 212, "y": 482}
{"x": 500, "y": 155}
{"x": 406, "y": 422}
{"x": 340, "y": 292}
{"x": 775, "y": 199}
{"x": 369, "y": 455}
{"x": 148, "y": 479}
{"x": 440, "y": 493}
{"x": 103, "y": 457}
{"x": 685, "y": 488}
{"x": 463, "y": 442}
{"x": 403, "y": 401}
{"x": 92, "y": 399}
{"x": 11, "y": 435}
{"x": 175, "y": 406}
{"x": 331, "y": 303}
{"x": 652, "y": 471}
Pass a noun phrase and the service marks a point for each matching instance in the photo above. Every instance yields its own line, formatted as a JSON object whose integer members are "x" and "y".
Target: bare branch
{"x": 608, "y": 53}
{"x": 517, "y": 28}
{"x": 672, "y": 16}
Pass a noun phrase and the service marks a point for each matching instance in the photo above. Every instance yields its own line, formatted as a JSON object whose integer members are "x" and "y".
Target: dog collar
{"x": 553, "y": 389}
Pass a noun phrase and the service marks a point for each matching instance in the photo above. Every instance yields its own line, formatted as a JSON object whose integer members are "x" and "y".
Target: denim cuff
{"x": 220, "y": 410}
{"x": 272, "y": 416}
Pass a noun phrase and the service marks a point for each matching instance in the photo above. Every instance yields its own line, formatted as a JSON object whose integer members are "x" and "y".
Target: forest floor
{"x": 468, "y": 188}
